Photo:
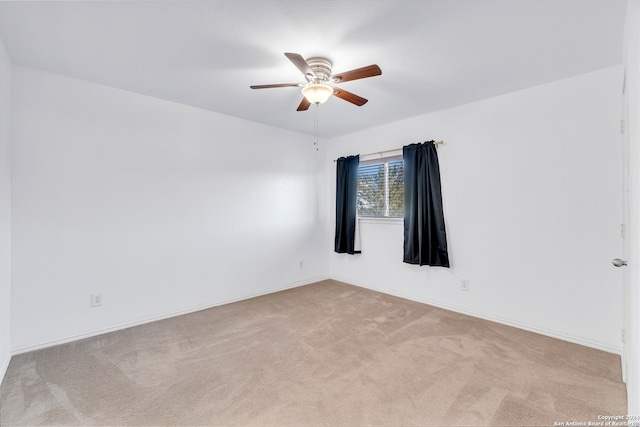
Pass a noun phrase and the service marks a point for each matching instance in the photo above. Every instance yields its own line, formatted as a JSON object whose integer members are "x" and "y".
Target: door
{"x": 626, "y": 213}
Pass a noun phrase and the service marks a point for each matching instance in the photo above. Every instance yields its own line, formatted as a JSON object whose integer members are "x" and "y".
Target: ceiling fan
{"x": 317, "y": 90}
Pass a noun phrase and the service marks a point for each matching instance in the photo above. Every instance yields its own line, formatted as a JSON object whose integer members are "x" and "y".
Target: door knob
{"x": 618, "y": 262}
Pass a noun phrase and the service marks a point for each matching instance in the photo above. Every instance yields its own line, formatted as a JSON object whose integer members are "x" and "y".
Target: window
{"x": 381, "y": 188}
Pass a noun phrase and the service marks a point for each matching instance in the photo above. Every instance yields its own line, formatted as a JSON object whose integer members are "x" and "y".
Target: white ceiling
{"x": 434, "y": 54}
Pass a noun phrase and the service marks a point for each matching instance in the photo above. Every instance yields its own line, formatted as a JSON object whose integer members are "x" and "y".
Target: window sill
{"x": 380, "y": 220}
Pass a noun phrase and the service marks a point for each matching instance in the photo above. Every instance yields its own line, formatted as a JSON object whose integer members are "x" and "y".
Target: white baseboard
{"x": 485, "y": 316}
{"x": 3, "y": 368}
{"x": 93, "y": 333}
{"x": 508, "y": 322}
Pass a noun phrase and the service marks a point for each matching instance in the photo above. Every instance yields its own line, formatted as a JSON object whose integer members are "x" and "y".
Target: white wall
{"x": 533, "y": 201}
{"x": 5, "y": 211}
{"x": 160, "y": 207}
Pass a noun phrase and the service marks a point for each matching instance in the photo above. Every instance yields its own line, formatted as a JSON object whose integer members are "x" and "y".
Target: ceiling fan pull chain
{"x": 315, "y": 126}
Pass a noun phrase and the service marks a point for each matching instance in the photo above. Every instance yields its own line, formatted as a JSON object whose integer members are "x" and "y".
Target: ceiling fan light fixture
{"x": 317, "y": 93}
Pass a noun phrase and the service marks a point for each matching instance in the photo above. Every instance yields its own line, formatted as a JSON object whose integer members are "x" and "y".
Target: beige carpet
{"x": 326, "y": 354}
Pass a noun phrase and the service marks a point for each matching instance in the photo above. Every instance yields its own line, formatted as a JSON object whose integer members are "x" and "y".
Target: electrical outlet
{"x": 464, "y": 285}
{"x": 96, "y": 300}
{"x": 301, "y": 264}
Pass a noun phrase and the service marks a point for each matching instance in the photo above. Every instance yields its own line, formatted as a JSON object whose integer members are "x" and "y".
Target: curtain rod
{"x": 389, "y": 151}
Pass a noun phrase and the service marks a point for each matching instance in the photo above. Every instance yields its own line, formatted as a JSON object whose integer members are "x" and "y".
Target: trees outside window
{"x": 381, "y": 188}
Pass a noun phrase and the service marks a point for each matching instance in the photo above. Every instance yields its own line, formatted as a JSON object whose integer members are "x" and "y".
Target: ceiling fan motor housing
{"x": 322, "y": 69}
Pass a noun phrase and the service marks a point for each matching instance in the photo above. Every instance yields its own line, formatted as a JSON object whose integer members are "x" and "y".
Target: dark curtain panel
{"x": 425, "y": 240}
{"x": 346, "y": 195}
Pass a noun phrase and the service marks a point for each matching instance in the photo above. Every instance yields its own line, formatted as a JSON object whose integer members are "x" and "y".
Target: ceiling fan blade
{"x": 302, "y": 65}
{"x": 349, "y": 97}
{"x": 304, "y": 105}
{"x": 276, "y": 85}
{"x": 359, "y": 73}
